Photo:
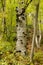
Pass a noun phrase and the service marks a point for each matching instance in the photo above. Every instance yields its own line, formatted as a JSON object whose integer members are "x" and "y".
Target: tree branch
{"x": 27, "y": 4}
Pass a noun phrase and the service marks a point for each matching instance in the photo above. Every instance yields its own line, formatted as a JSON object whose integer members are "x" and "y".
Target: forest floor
{"x": 8, "y": 55}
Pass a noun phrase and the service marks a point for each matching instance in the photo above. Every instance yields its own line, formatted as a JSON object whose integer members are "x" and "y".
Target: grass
{"x": 8, "y": 56}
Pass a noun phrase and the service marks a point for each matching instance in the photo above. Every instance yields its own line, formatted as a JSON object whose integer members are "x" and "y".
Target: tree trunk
{"x": 33, "y": 43}
{"x": 4, "y": 19}
{"x": 21, "y": 28}
{"x": 21, "y": 33}
{"x": 37, "y": 33}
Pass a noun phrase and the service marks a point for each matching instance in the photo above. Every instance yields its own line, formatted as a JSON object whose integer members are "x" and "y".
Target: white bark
{"x": 21, "y": 28}
{"x": 21, "y": 34}
{"x": 21, "y": 38}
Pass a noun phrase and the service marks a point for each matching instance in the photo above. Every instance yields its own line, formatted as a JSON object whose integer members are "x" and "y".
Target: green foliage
{"x": 39, "y": 57}
{"x": 8, "y": 55}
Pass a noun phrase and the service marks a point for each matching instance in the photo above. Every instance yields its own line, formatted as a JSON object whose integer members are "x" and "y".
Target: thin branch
{"x": 27, "y": 4}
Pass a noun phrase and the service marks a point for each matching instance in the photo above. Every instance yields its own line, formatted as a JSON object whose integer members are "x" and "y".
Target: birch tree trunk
{"x": 21, "y": 28}
{"x": 21, "y": 33}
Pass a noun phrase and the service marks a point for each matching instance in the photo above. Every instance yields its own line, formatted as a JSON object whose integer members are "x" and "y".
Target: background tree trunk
{"x": 37, "y": 32}
{"x": 4, "y": 19}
